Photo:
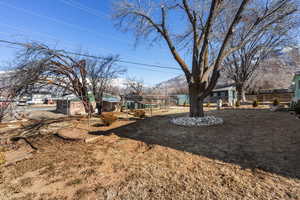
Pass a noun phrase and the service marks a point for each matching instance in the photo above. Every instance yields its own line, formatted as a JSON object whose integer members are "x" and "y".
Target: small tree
{"x": 134, "y": 88}
{"x": 255, "y": 103}
{"x": 276, "y": 102}
{"x": 13, "y": 86}
{"x": 47, "y": 66}
{"x": 100, "y": 75}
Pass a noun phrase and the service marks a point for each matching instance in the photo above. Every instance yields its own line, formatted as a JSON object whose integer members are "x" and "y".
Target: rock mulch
{"x": 197, "y": 121}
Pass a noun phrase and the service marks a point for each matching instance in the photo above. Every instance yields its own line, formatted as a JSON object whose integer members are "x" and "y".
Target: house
{"x": 39, "y": 98}
{"x": 227, "y": 93}
{"x": 182, "y": 99}
{"x": 296, "y": 82}
{"x": 145, "y": 101}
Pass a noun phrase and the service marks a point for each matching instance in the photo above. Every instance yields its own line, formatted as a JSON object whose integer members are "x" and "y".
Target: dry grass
{"x": 2, "y": 158}
{"x": 254, "y": 155}
{"x": 76, "y": 181}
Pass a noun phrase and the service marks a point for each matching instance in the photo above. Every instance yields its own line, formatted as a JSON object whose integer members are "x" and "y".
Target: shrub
{"x": 108, "y": 118}
{"x": 139, "y": 113}
{"x": 276, "y": 102}
{"x": 208, "y": 104}
{"x": 237, "y": 103}
{"x": 255, "y": 103}
{"x": 297, "y": 107}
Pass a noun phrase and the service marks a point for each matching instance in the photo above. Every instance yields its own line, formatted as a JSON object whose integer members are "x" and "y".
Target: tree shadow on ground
{"x": 252, "y": 139}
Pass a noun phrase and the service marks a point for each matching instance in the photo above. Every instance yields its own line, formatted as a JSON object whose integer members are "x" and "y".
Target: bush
{"x": 139, "y": 113}
{"x": 255, "y": 103}
{"x": 276, "y": 102}
{"x": 207, "y": 104}
{"x": 237, "y": 103}
{"x": 297, "y": 107}
{"x": 108, "y": 118}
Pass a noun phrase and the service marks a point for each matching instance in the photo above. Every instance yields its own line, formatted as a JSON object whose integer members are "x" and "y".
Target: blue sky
{"x": 65, "y": 25}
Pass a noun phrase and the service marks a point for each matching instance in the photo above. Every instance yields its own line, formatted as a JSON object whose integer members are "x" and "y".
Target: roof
{"x": 297, "y": 73}
{"x": 106, "y": 97}
{"x": 224, "y": 88}
{"x": 111, "y": 99}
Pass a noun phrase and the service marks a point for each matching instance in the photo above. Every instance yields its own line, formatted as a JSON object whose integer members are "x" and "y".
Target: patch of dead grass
{"x": 26, "y": 182}
{"x": 155, "y": 160}
{"x": 76, "y": 181}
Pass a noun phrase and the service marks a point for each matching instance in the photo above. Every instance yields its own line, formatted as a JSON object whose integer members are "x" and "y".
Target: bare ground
{"x": 254, "y": 155}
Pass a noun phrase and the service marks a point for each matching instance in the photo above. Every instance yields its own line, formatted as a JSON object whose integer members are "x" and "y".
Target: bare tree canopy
{"x": 205, "y": 28}
{"x": 242, "y": 65}
{"x": 45, "y": 66}
{"x": 14, "y": 85}
{"x": 134, "y": 88}
{"x": 100, "y": 75}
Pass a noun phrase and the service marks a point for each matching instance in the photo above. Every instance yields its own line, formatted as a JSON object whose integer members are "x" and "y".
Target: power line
{"x": 87, "y": 9}
{"x": 84, "y": 8}
{"x": 97, "y": 57}
{"x": 50, "y": 36}
{"x": 154, "y": 70}
{"x": 69, "y": 24}
{"x": 68, "y": 43}
{"x": 61, "y": 22}
{"x": 122, "y": 61}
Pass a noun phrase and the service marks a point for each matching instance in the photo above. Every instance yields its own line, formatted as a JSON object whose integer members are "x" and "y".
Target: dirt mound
{"x": 73, "y": 133}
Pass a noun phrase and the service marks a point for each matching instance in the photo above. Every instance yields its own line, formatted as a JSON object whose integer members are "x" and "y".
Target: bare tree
{"x": 241, "y": 66}
{"x": 134, "y": 86}
{"x": 100, "y": 75}
{"x": 208, "y": 28}
{"x": 134, "y": 89}
{"x": 7, "y": 97}
{"x": 47, "y": 66}
{"x": 274, "y": 72}
{"x": 13, "y": 86}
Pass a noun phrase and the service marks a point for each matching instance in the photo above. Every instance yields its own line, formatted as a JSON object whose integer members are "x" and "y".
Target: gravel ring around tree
{"x": 197, "y": 121}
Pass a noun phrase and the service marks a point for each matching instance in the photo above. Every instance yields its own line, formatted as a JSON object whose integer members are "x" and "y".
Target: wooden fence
{"x": 269, "y": 97}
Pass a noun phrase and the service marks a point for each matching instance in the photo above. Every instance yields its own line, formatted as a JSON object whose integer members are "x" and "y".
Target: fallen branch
{"x": 17, "y": 138}
{"x": 66, "y": 138}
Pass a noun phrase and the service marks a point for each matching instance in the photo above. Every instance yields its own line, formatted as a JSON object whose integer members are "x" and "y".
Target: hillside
{"x": 274, "y": 73}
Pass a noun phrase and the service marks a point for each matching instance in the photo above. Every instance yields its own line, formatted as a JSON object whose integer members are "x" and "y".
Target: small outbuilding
{"x": 296, "y": 83}
{"x": 227, "y": 93}
{"x": 71, "y": 105}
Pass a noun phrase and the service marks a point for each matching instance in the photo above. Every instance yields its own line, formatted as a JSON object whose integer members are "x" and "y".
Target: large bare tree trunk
{"x": 241, "y": 94}
{"x": 88, "y": 108}
{"x": 196, "y": 104}
{"x": 99, "y": 107}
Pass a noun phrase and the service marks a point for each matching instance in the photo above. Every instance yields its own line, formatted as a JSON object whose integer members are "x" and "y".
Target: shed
{"x": 72, "y": 105}
{"x": 227, "y": 93}
{"x": 296, "y": 82}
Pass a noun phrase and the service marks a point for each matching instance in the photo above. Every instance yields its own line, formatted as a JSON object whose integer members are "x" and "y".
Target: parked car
{"x": 22, "y": 103}
{"x": 35, "y": 101}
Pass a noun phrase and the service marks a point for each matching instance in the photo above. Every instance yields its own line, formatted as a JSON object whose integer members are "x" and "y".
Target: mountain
{"x": 178, "y": 84}
{"x": 276, "y": 72}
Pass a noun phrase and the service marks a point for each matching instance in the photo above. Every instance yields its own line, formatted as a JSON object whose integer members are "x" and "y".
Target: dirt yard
{"x": 255, "y": 154}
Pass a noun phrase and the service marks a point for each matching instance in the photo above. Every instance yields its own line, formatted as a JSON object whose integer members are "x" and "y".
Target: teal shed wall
{"x": 183, "y": 99}
{"x": 297, "y": 87}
